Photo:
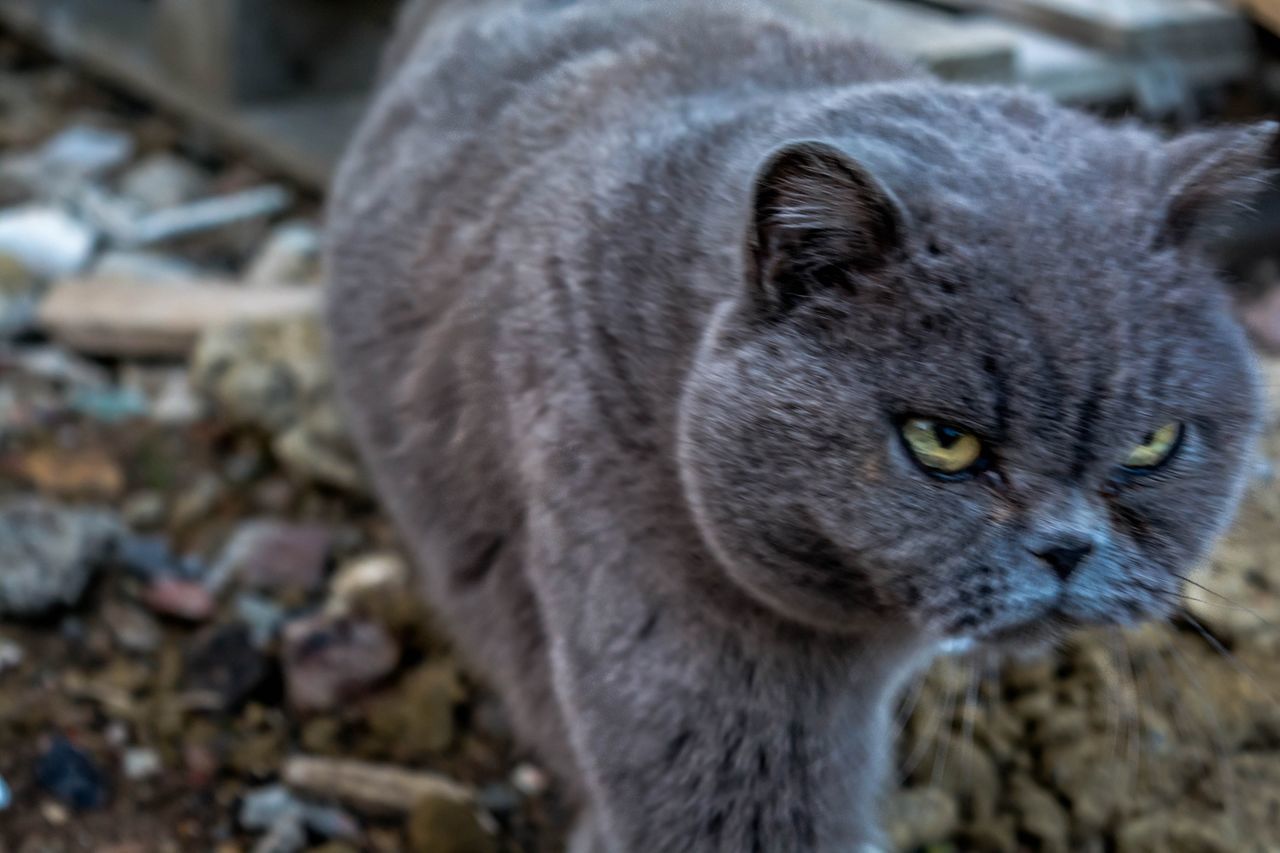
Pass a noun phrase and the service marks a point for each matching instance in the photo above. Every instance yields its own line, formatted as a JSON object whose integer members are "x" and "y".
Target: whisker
{"x": 908, "y": 707}
{"x": 923, "y": 741}
{"x": 945, "y": 734}
{"x": 1235, "y": 604}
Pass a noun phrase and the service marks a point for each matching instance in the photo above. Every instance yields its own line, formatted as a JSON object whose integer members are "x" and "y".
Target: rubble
{"x": 49, "y": 553}
{"x": 330, "y": 661}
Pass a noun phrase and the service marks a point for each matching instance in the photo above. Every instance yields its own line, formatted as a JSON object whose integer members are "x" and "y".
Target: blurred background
{"x": 205, "y": 637}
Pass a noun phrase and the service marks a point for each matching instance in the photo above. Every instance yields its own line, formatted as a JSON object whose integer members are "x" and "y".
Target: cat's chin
{"x": 1033, "y": 635}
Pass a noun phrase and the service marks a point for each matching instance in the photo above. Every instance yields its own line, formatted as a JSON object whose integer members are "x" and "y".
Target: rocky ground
{"x": 205, "y": 641}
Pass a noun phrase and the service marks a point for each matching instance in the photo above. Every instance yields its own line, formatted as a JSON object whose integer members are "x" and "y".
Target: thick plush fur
{"x": 628, "y": 303}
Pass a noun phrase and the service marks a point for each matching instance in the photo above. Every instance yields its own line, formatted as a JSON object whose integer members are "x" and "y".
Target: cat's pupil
{"x": 946, "y": 436}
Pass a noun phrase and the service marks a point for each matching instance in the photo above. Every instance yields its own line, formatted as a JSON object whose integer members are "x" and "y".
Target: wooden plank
{"x": 222, "y": 49}
{"x": 1078, "y": 74}
{"x": 144, "y": 319}
{"x": 951, "y": 47}
{"x": 300, "y": 138}
{"x": 1181, "y": 28}
{"x": 1267, "y": 12}
{"x": 1069, "y": 72}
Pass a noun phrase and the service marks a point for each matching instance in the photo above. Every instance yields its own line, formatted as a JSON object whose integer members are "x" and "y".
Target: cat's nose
{"x": 1065, "y": 554}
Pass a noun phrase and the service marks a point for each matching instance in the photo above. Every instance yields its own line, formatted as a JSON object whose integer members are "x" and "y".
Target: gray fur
{"x": 624, "y": 352}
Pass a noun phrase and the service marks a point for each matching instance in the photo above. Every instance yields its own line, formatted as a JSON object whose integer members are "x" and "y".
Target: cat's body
{"x": 619, "y": 405}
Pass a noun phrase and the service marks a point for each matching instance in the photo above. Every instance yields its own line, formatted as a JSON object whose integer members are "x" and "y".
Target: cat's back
{"x": 507, "y": 129}
{"x": 498, "y": 101}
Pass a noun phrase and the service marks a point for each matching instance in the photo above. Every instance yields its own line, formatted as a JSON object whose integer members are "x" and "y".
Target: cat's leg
{"x": 585, "y": 837}
{"x": 698, "y": 734}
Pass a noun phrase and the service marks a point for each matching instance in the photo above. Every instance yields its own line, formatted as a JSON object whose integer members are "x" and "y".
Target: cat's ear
{"x": 1213, "y": 174}
{"x": 818, "y": 218}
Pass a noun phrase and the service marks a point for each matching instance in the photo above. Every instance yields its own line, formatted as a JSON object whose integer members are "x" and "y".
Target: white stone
{"x": 290, "y": 256}
{"x": 141, "y": 764}
{"x": 164, "y": 180}
{"x": 46, "y": 240}
{"x": 87, "y": 151}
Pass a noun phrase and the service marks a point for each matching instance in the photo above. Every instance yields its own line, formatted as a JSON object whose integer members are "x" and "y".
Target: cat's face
{"x": 978, "y": 425}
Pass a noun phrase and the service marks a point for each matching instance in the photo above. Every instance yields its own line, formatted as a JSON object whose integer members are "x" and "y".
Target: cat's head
{"x": 987, "y": 397}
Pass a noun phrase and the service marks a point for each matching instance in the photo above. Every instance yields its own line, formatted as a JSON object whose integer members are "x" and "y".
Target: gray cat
{"x": 717, "y": 372}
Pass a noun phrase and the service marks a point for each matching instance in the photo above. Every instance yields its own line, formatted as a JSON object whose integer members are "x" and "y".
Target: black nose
{"x": 1063, "y": 557}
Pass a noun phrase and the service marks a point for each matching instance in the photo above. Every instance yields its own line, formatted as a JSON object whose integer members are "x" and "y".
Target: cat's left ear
{"x": 1214, "y": 173}
{"x": 818, "y": 218}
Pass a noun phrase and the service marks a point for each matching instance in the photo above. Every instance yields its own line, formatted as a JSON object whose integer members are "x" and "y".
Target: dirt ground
{"x": 195, "y": 592}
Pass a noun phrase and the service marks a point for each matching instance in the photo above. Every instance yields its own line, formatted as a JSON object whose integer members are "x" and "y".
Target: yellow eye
{"x": 1156, "y": 449}
{"x": 940, "y": 447}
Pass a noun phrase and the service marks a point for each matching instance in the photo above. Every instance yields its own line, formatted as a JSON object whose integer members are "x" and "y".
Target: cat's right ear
{"x": 818, "y": 219}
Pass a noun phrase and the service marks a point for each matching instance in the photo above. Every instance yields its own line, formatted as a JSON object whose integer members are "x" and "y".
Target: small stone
{"x": 71, "y": 775}
{"x": 73, "y": 474}
{"x": 967, "y": 773}
{"x": 530, "y": 780}
{"x": 20, "y": 292}
{"x": 175, "y": 402}
{"x": 198, "y": 500}
{"x": 109, "y": 405}
{"x": 274, "y": 375}
{"x": 150, "y": 558}
{"x": 224, "y": 666}
{"x": 46, "y": 240}
{"x": 290, "y": 256}
{"x": 1175, "y": 832}
{"x": 49, "y": 554}
{"x": 499, "y": 799}
{"x": 328, "y": 661}
{"x": 141, "y": 764}
{"x": 374, "y": 587}
{"x": 134, "y": 630}
{"x": 317, "y": 448}
{"x": 264, "y": 374}
{"x": 164, "y": 180}
{"x": 55, "y": 813}
{"x": 144, "y": 509}
{"x": 84, "y": 151}
{"x": 263, "y": 616}
{"x": 1040, "y": 815}
{"x": 447, "y": 826}
{"x": 1097, "y": 786}
{"x": 143, "y": 266}
{"x": 275, "y": 556}
{"x": 288, "y": 835}
{"x": 179, "y": 599}
{"x": 416, "y": 720}
{"x": 201, "y": 764}
{"x": 921, "y": 816}
{"x": 262, "y": 808}
{"x": 11, "y": 655}
{"x": 329, "y": 822}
